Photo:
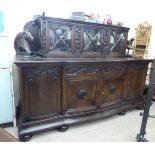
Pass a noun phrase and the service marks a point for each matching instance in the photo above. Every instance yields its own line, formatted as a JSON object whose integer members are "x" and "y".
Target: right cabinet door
{"x": 112, "y": 90}
{"x": 136, "y": 79}
{"x": 112, "y": 84}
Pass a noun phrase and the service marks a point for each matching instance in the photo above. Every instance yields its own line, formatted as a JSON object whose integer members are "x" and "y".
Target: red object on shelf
{"x": 109, "y": 21}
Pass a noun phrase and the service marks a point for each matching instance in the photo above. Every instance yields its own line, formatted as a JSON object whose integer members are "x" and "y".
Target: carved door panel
{"x": 59, "y": 37}
{"x": 92, "y": 39}
{"x": 111, "y": 90}
{"x": 113, "y": 83}
{"x": 114, "y": 41}
{"x": 81, "y": 94}
{"x": 136, "y": 80}
{"x": 41, "y": 92}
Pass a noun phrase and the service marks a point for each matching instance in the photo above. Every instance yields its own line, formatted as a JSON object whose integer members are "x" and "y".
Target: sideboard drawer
{"x": 82, "y": 69}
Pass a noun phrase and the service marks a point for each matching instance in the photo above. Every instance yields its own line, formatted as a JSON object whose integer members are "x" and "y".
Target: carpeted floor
{"x": 6, "y": 137}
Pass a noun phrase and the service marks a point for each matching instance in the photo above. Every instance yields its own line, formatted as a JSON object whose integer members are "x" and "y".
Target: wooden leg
{"x": 25, "y": 138}
{"x": 140, "y": 108}
{"x": 63, "y": 128}
{"x": 122, "y": 113}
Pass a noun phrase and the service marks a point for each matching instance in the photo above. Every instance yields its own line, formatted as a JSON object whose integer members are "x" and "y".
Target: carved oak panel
{"x": 92, "y": 39}
{"x": 60, "y": 36}
{"x": 41, "y": 88}
{"x": 117, "y": 41}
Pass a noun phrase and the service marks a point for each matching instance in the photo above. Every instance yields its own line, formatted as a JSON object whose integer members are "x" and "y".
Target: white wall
{"x": 130, "y": 12}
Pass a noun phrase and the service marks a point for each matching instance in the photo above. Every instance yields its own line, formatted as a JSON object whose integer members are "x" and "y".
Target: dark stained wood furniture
{"x": 74, "y": 72}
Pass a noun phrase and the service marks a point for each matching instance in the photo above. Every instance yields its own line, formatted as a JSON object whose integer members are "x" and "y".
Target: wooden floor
{"x": 6, "y": 137}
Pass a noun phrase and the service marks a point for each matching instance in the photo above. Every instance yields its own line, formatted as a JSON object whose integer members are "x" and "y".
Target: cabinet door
{"x": 113, "y": 83}
{"x": 40, "y": 92}
{"x": 136, "y": 80}
{"x": 112, "y": 90}
{"x": 81, "y": 94}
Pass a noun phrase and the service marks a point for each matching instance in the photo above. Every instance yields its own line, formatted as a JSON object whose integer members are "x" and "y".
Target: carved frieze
{"x": 82, "y": 69}
{"x": 137, "y": 66}
{"x": 36, "y": 72}
{"x": 114, "y": 68}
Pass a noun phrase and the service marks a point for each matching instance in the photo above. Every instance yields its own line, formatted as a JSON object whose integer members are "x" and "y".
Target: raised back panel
{"x": 68, "y": 38}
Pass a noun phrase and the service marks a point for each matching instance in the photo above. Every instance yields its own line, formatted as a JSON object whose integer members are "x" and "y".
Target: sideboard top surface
{"x": 24, "y": 60}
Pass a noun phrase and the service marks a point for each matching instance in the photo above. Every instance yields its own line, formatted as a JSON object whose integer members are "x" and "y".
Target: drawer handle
{"x": 82, "y": 94}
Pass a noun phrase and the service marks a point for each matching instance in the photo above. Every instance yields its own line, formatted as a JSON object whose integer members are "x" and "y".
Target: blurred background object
{"x": 142, "y": 39}
{"x": 1, "y": 22}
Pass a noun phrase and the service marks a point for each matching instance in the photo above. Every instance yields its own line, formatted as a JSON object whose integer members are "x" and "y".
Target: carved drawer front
{"x": 111, "y": 91}
{"x": 41, "y": 92}
{"x": 73, "y": 70}
{"x": 81, "y": 94}
{"x": 114, "y": 68}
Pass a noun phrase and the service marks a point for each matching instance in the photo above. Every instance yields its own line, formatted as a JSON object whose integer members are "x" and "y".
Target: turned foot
{"x": 63, "y": 128}
{"x": 140, "y": 108}
{"x": 25, "y": 138}
{"x": 122, "y": 113}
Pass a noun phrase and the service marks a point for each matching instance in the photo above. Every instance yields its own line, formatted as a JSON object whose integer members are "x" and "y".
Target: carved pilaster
{"x": 43, "y": 35}
{"x": 78, "y": 39}
{"x": 106, "y": 34}
{"x": 33, "y": 73}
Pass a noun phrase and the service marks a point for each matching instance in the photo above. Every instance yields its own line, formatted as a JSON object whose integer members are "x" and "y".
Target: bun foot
{"x": 140, "y": 108}
{"x": 63, "y": 128}
{"x": 122, "y": 113}
{"x": 25, "y": 138}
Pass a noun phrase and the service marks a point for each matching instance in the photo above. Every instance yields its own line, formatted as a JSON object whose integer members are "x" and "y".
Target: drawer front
{"x": 80, "y": 94}
{"x": 82, "y": 70}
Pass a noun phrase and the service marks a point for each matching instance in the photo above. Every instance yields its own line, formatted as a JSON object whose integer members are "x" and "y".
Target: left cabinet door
{"x": 40, "y": 92}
